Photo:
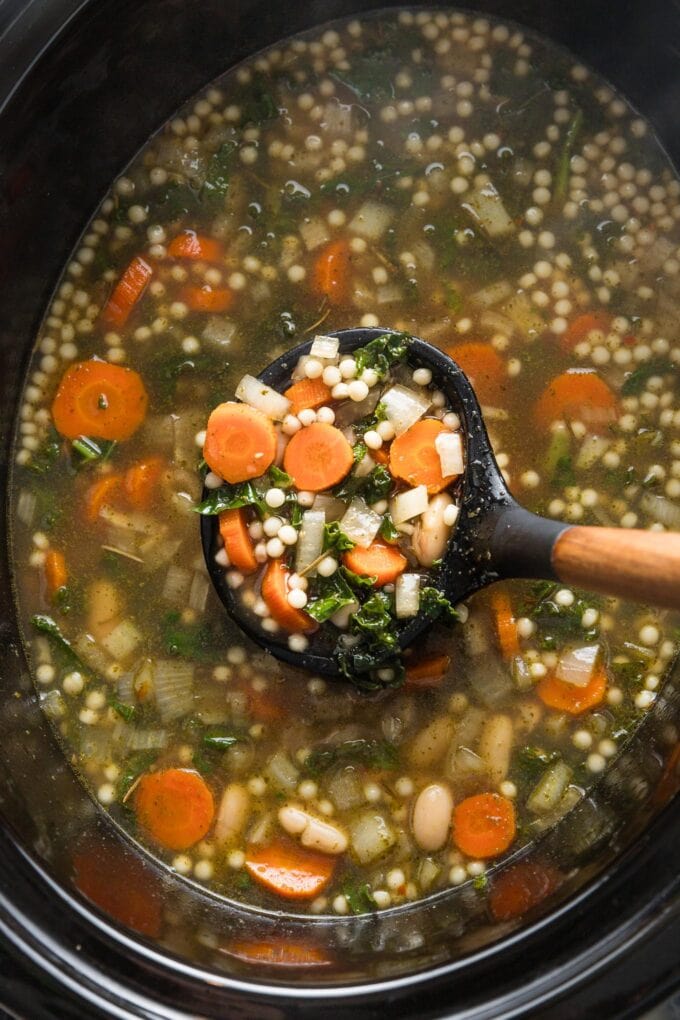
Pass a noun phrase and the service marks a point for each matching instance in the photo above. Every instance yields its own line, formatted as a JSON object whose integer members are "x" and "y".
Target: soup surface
{"x": 433, "y": 173}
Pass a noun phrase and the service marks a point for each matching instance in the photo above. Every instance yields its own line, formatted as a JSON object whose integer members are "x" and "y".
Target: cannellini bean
{"x": 432, "y": 534}
{"x": 311, "y": 831}
{"x": 104, "y": 608}
{"x": 430, "y": 744}
{"x": 529, "y": 715}
{"x": 432, "y": 817}
{"x": 232, "y": 813}
{"x": 495, "y": 745}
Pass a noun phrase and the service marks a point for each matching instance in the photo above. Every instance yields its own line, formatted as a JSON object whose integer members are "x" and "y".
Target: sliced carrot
{"x": 582, "y": 325}
{"x": 127, "y": 292}
{"x": 190, "y": 245}
{"x": 318, "y": 457}
{"x": 569, "y": 698}
{"x": 506, "y": 627}
{"x": 427, "y": 673}
{"x": 207, "y": 298}
{"x": 99, "y": 400}
{"x": 263, "y": 707}
{"x": 275, "y": 595}
{"x": 121, "y": 885}
{"x": 140, "y": 482}
{"x": 289, "y": 871}
{"x": 381, "y": 456}
{"x": 175, "y": 807}
{"x": 237, "y": 541}
{"x": 577, "y": 394}
{"x": 331, "y": 275}
{"x": 278, "y": 953}
{"x": 308, "y": 393}
{"x": 485, "y": 369}
{"x": 520, "y": 887}
{"x": 380, "y": 560}
{"x": 56, "y": 574}
{"x": 484, "y": 825}
{"x": 101, "y": 493}
{"x": 414, "y": 459}
{"x": 240, "y": 442}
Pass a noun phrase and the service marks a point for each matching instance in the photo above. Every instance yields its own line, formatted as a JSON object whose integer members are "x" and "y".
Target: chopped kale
{"x": 335, "y": 540}
{"x": 45, "y": 457}
{"x": 635, "y": 383}
{"x": 280, "y": 479}
{"x": 357, "y": 581}
{"x": 529, "y": 763}
{"x": 388, "y": 530}
{"x": 481, "y": 883}
{"x": 359, "y": 898}
{"x": 374, "y": 754}
{"x": 377, "y": 648}
{"x": 134, "y": 768}
{"x": 359, "y": 451}
{"x": 369, "y": 77}
{"x": 372, "y": 487}
{"x": 46, "y": 625}
{"x": 563, "y": 163}
{"x": 87, "y": 450}
{"x": 232, "y": 497}
{"x": 216, "y": 185}
{"x": 126, "y": 712}
{"x": 434, "y": 603}
{"x": 370, "y": 421}
{"x": 329, "y": 595}
{"x": 174, "y": 201}
{"x": 258, "y": 105}
{"x": 563, "y": 474}
{"x": 218, "y": 740}
{"x": 558, "y": 624}
{"x": 188, "y": 640}
{"x": 382, "y": 353}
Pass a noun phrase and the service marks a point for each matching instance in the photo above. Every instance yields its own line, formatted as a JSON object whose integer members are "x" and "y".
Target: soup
{"x": 440, "y": 175}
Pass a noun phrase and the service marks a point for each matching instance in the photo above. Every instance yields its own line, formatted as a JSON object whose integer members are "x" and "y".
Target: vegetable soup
{"x": 432, "y": 174}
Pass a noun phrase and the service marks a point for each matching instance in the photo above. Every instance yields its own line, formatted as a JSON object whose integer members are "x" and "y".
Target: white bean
{"x": 432, "y": 533}
{"x": 312, "y": 831}
{"x": 430, "y": 744}
{"x": 104, "y": 608}
{"x": 432, "y": 817}
{"x": 495, "y": 745}
{"x": 232, "y": 813}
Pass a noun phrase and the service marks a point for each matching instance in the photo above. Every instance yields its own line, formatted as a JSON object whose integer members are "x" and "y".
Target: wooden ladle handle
{"x": 643, "y": 566}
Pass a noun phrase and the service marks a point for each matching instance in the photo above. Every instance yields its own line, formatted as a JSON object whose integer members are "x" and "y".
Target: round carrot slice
{"x": 190, "y": 245}
{"x": 289, "y": 871}
{"x": 318, "y": 457}
{"x": 379, "y": 560}
{"x": 414, "y": 459}
{"x": 240, "y": 442}
{"x": 577, "y": 394}
{"x": 485, "y": 369}
{"x": 484, "y": 825}
{"x": 331, "y": 272}
{"x": 140, "y": 482}
{"x": 565, "y": 697}
{"x": 175, "y": 807}
{"x": 100, "y": 400}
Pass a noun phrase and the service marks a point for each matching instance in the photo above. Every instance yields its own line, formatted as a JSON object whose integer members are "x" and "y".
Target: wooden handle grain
{"x": 643, "y": 566}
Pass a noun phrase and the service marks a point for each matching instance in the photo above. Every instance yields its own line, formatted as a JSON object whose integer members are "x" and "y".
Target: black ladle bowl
{"x": 494, "y": 537}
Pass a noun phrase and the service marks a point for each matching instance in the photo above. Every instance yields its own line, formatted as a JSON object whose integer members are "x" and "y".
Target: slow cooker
{"x": 82, "y": 85}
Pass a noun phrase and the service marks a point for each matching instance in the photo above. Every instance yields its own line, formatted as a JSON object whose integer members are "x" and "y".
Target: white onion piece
{"x": 409, "y": 504}
{"x": 578, "y": 665}
{"x": 407, "y": 596}
{"x": 370, "y": 836}
{"x": 365, "y": 466}
{"x": 486, "y": 206}
{"x": 404, "y": 407}
{"x": 310, "y": 540}
{"x": 360, "y": 523}
{"x": 314, "y": 232}
{"x": 492, "y": 295}
{"x": 371, "y": 220}
{"x": 263, "y": 398}
{"x": 173, "y": 688}
{"x": 325, "y": 347}
{"x": 449, "y": 446}
{"x": 661, "y": 509}
{"x": 591, "y": 451}
{"x": 333, "y": 507}
{"x": 198, "y": 593}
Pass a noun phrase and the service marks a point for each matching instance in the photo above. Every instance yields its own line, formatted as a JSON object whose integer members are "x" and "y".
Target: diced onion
{"x": 404, "y": 407}
{"x": 123, "y": 640}
{"x": 591, "y": 451}
{"x": 409, "y": 504}
{"x": 198, "y": 593}
{"x": 407, "y": 595}
{"x": 262, "y": 397}
{"x": 550, "y": 789}
{"x": 578, "y": 665}
{"x": 176, "y": 585}
{"x": 449, "y": 446}
{"x": 345, "y": 789}
{"x": 173, "y": 688}
{"x": 486, "y": 206}
{"x": 389, "y": 294}
{"x": 371, "y": 220}
{"x": 325, "y": 347}
{"x": 661, "y": 509}
{"x": 360, "y": 523}
{"x": 491, "y": 295}
{"x": 333, "y": 507}
{"x": 365, "y": 466}
{"x": 281, "y": 772}
{"x": 371, "y": 836}
{"x": 26, "y": 502}
{"x": 310, "y": 540}
{"x": 219, "y": 331}
{"x": 314, "y": 232}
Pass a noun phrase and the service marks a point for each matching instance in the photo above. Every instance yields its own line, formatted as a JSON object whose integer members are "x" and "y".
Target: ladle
{"x": 494, "y": 536}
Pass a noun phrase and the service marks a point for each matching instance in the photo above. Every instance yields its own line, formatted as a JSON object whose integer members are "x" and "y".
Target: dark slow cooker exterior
{"x": 82, "y": 85}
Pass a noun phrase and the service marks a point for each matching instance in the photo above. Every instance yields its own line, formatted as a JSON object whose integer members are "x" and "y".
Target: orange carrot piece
{"x": 306, "y": 393}
{"x": 318, "y": 457}
{"x": 506, "y": 628}
{"x": 577, "y": 394}
{"x": 484, "y": 825}
{"x": 289, "y": 871}
{"x": 127, "y": 292}
{"x": 237, "y": 541}
{"x": 520, "y": 887}
{"x": 331, "y": 272}
{"x": 240, "y": 442}
{"x": 485, "y": 369}
{"x": 414, "y": 459}
{"x": 190, "y": 245}
{"x": 582, "y": 325}
{"x": 121, "y": 885}
{"x": 264, "y": 707}
{"x": 381, "y": 456}
{"x": 101, "y": 493}
{"x": 569, "y": 698}
{"x": 207, "y": 298}
{"x": 278, "y": 953}
{"x": 99, "y": 400}
{"x": 140, "y": 482}
{"x": 56, "y": 574}
{"x": 382, "y": 561}
{"x": 275, "y": 595}
{"x": 175, "y": 807}
{"x": 427, "y": 673}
